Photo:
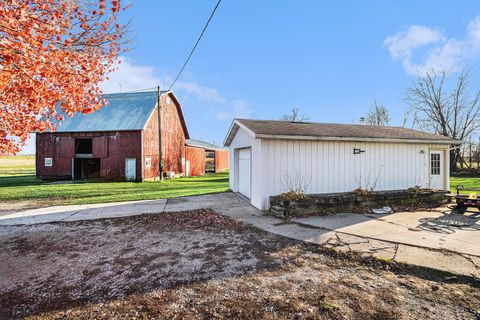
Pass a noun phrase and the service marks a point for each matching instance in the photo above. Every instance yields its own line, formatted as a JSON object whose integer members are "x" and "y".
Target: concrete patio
{"x": 439, "y": 229}
{"x": 436, "y": 239}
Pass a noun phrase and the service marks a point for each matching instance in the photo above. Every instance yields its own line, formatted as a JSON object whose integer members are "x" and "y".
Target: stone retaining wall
{"x": 329, "y": 203}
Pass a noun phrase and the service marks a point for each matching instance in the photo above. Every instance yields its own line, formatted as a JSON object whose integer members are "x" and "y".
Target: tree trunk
{"x": 454, "y": 156}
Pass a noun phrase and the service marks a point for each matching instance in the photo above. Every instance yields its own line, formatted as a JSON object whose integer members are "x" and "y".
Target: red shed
{"x": 203, "y": 157}
{"x": 118, "y": 142}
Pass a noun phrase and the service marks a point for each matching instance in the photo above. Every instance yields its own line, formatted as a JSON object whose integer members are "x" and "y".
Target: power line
{"x": 196, "y": 44}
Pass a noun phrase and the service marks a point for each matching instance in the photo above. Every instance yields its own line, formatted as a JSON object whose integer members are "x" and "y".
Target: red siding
{"x": 173, "y": 137}
{"x": 112, "y": 147}
{"x": 150, "y": 147}
{"x": 221, "y": 160}
{"x": 196, "y": 157}
{"x": 100, "y": 147}
{"x": 173, "y": 140}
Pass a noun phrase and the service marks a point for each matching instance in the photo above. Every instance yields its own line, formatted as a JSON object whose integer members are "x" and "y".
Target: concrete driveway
{"x": 440, "y": 229}
{"x": 436, "y": 239}
{"x": 121, "y": 209}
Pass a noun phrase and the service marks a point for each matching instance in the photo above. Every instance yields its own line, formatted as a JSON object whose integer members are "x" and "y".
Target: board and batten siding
{"x": 331, "y": 166}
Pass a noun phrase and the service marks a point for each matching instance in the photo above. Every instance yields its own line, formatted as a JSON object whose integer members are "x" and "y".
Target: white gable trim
{"x": 233, "y": 131}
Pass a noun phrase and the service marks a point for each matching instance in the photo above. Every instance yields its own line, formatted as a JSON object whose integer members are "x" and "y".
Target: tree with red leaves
{"x": 53, "y": 52}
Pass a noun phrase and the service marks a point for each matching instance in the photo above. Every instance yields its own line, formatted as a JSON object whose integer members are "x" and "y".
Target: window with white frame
{"x": 435, "y": 164}
{"x": 48, "y": 162}
{"x": 148, "y": 162}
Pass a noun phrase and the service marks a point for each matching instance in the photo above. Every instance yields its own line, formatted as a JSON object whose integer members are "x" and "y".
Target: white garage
{"x": 268, "y": 157}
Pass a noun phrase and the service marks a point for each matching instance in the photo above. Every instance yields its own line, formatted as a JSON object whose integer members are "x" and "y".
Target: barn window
{"x": 48, "y": 162}
{"x": 83, "y": 146}
{"x": 148, "y": 162}
{"x": 435, "y": 163}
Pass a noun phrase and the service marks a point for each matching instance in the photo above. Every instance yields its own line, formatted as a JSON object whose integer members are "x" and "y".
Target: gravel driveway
{"x": 199, "y": 264}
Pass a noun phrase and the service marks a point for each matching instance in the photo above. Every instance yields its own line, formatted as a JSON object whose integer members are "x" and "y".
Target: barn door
{"x": 187, "y": 168}
{"x": 100, "y": 147}
{"x": 130, "y": 169}
{"x": 65, "y": 147}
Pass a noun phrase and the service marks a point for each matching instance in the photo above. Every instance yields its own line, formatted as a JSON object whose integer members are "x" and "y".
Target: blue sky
{"x": 259, "y": 59}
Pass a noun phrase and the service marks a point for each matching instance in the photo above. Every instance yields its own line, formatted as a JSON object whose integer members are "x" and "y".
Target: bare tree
{"x": 452, "y": 112}
{"x": 378, "y": 115}
{"x": 406, "y": 117}
{"x": 294, "y": 116}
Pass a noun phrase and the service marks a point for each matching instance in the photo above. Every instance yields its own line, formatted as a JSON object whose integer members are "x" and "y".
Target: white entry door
{"x": 244, "y": 171}
{"x": 437, "y": 169}
{"x": 130, "y": 169}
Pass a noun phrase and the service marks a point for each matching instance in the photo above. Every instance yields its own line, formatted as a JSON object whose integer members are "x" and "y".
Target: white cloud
{"x": 440, "y": 52}
{"x": 240, "y": 109}
{"x": 202, "y": 92}
{"x": 220, "y": 115}
{"x": 402, "y": 44}
{"x": 233, "y": 109}
{"x": 130, "y": 77}
{"x": 473, "y": 31}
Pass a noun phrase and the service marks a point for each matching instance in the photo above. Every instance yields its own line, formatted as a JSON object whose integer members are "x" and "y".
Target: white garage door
{"x": 244, "y": 171}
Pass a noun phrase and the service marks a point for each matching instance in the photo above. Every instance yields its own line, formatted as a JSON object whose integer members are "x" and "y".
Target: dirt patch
{"x": 50, "y": 266}
{"x": 200, "y": 264}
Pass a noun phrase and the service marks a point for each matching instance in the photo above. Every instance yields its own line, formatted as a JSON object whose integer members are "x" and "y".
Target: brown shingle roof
{"x": 267, "y": 128}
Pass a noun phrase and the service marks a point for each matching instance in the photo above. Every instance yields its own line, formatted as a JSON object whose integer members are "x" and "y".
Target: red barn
{"x": 203, "y": 157}
{"x": 118, "y": 142}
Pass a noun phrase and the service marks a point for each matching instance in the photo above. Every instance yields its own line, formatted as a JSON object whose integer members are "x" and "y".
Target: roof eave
{"x": 91, "y": 131}
{"x": 362, "y": 139}
{"x": 230, "y": 133}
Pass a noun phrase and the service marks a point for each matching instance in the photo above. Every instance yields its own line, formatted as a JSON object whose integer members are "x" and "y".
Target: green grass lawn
{"x": 18, "y": 183}
{"x": 466, "y": 182}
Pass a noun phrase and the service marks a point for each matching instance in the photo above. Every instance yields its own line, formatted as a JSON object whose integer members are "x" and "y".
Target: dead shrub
{"x": 293, "y": 196}
{"x": 414, "y": 189}
{"x": 362, "y": 192}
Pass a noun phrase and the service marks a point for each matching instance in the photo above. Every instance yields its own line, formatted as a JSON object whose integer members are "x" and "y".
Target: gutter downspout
{"x": 160, "y": 154}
